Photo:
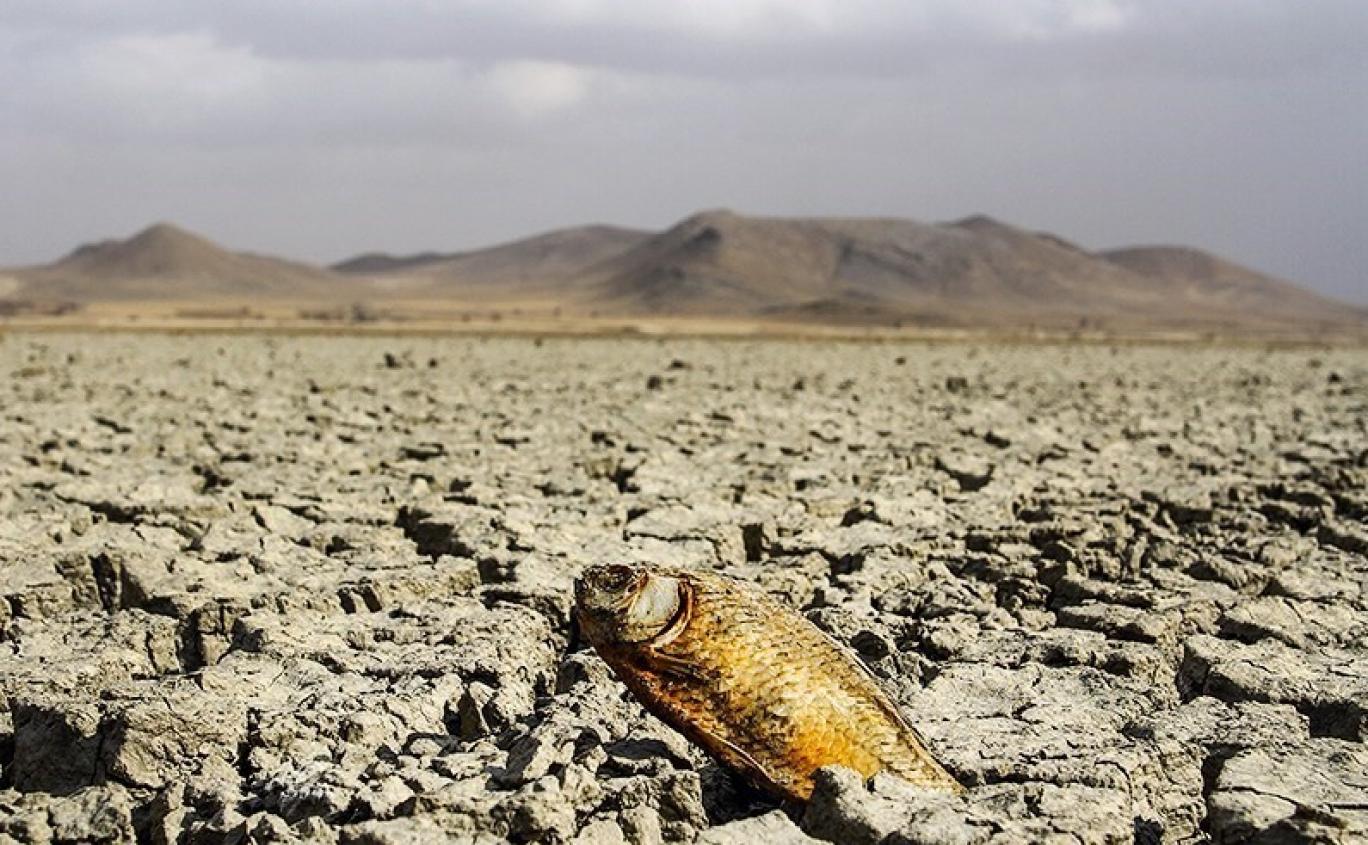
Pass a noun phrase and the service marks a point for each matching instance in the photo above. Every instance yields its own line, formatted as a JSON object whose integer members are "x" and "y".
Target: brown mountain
{"x": 719, "y": 260}
{"x": 381, "y": 263}
{"x": 163, "y": 262}
{"x": 971, "y": 272}
{"x": 1214, "y": 283}
{"x": 974, "y": 271}
{"x": 554, "y": 264}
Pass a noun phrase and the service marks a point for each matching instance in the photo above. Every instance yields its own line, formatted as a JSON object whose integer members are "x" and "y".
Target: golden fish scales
{"x": 748, "y": 679}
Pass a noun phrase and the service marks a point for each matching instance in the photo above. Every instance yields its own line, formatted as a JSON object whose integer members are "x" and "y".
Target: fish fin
{"x": 674, "y": 667}
{"x": 736, "y": 757}
{"x": 648, "y": 674}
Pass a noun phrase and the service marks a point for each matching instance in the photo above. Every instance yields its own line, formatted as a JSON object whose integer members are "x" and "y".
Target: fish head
{"x": 617, "y": 603}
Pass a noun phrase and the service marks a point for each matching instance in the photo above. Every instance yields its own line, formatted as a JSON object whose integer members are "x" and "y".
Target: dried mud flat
{"x": 274, "y": 589}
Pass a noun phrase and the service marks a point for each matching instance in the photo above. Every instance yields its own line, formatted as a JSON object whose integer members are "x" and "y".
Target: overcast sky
{"x": 320, "y": 128}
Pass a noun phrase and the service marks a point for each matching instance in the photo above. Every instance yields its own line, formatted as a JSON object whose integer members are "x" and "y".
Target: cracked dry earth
{"x": 317, "y": 589}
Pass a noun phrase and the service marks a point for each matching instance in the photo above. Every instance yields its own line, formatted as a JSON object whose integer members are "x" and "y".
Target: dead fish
{"x": 751, "y": 681}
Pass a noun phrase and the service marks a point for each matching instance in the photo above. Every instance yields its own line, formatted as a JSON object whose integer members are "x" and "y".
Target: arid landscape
{"x": 314, "y": 589}
{"x": 984, "y": 386}
{"x": 714, "y": 271}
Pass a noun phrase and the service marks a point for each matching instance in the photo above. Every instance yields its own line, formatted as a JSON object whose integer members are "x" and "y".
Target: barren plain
{"x": 264, "y": 588}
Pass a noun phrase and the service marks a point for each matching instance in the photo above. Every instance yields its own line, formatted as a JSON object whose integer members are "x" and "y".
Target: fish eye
{"x": 615, "y": 578}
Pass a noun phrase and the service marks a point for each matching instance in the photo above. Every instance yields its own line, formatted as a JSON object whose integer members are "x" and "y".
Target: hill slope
{"x": 1218, "y": 284}
{"x": 163, "y": 262}
{"x": 550, "y": 264}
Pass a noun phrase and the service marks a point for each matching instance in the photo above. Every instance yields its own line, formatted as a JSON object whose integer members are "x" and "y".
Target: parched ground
{"x": 273, "y": 589}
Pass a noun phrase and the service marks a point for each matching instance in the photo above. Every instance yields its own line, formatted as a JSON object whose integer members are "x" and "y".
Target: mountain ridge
{"x": 975, "y": 270}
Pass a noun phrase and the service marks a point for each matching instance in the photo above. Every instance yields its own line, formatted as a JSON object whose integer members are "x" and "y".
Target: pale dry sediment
{"x": 317, "y": 589}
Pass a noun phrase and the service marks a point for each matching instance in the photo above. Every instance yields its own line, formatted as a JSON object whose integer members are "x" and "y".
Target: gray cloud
{"x": 321, "y": 129}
